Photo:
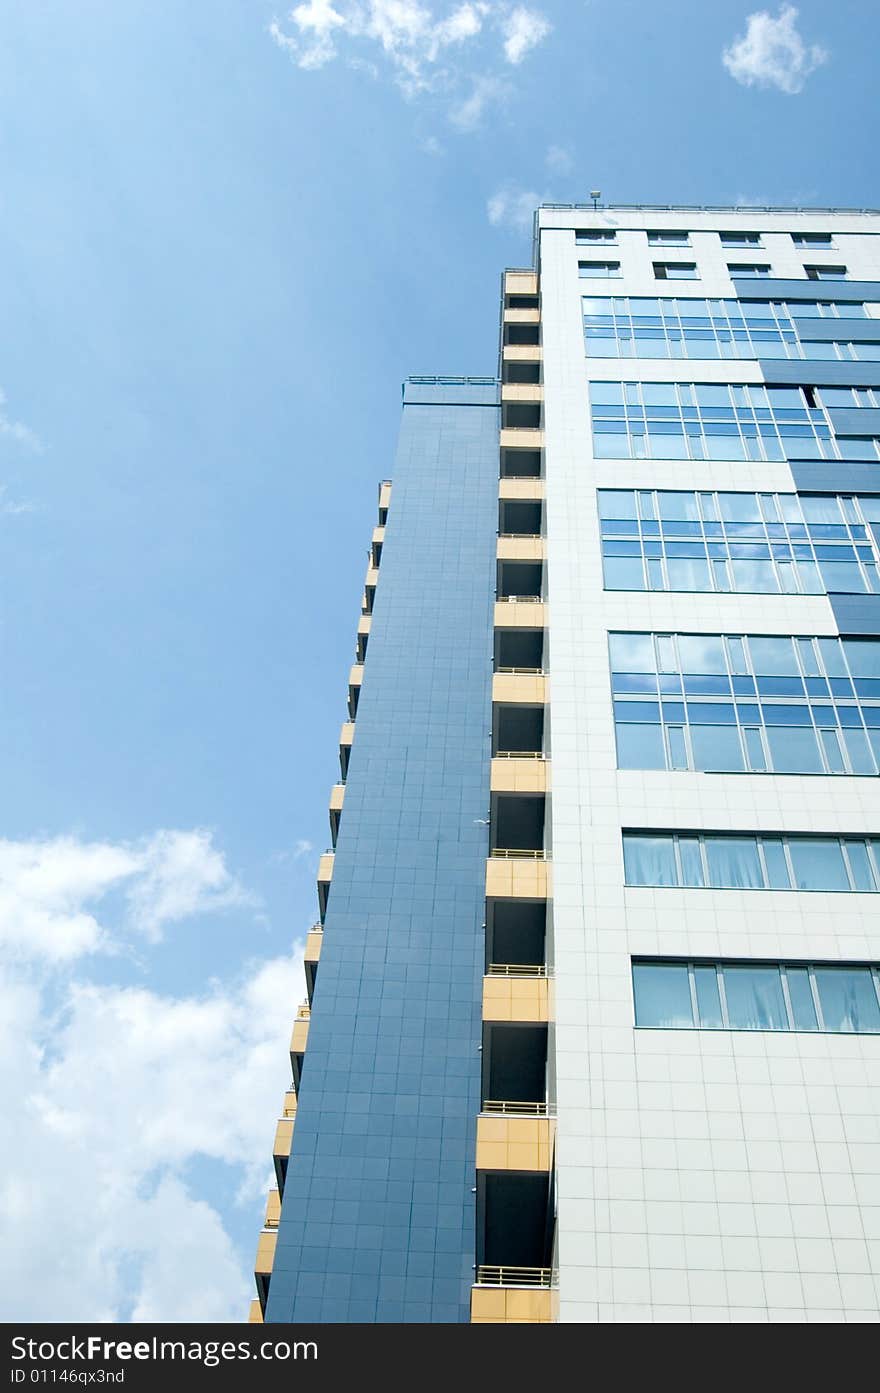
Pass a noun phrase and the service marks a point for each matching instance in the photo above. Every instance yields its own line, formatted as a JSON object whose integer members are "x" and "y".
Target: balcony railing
{"x": 517, "y": 970}
{"x": 508, "y": 1108}
{"x": 520, "y": 599}
{"x": 518, "y": 754}
{"x": 511, "y": 852}
{"x": 513, "y": 1276}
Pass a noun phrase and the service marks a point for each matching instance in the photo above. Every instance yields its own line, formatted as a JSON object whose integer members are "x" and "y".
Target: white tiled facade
{"x": 701, "y": 1175}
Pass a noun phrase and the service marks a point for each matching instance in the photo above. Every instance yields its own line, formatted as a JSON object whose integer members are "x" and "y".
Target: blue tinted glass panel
{"x": 754, "y": 998}
{"x": 662, "y": 995}
{"x": 734, "y": 863}
{"x": 649, "y": 860}
{"x": 848, "y": 999}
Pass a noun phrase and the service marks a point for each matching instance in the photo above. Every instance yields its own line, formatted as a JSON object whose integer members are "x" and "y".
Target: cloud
{"x": 467, "y": 113}
{"x": 772, "y": 53}
{"x": 121, "y": 1100}
{"x": 523, "y": 29}
{"x": 426, "y": 51}
{"x": 513, "y": 208}
{"x": 10, "y": 508}
{"x": 16, "y": 430}
{"x": 559, "y": 160}
{"x": 49, "y": 890}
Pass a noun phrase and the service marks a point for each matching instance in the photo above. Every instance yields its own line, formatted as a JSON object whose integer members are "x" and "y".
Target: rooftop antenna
{"x": 595, "y": 195}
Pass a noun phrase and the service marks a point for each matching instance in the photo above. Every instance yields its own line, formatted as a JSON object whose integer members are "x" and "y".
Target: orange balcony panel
{"x": 517, "y": 878}
{"x": 265, "y": 1253}
{"x": 516, "y": 999}
{"x": 514, "y": 1143}
{"x": 512, "y": 775}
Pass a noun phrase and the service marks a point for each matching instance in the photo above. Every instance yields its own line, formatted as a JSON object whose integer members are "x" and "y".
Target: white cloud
{"x": 10, "y": 508}
{"x": 772, "y": 53}
{"x": 513, "y": 208}
{"x": 426, "y": 50}
{"x": 523, "y": 29}
{"x": 16, "y": 430}
{"x": 467, "y": 113}
{"x": 49, "y": 889}
{"x": 559, "y": 160}
{"x": 116, "y": 1096}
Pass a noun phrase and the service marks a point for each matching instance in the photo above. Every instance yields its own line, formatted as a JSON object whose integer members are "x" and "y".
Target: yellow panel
{"x": 346, "y": 734}
{"x": 511, "y": 1305}
{"x": 273, "y": 1209}
{"x": 283, "y": 1137}
{"x": 515, "y": 999}
{"x": 265, "y": 1252}
{"x": 299, "y": 1037}
{"x": 337, "y": 797}
{"x": 512, "y": 316}
{"x": 378, "y": 535}
{"x": 514, "y": 1143}
{"x": 520, "y": 548}
{"x": 528, "y": 1307}
{"x": 255, "y": 1314}
{"x": 522, "y": 391}
{"x": 520, "y": 438}
{"x": 314, "y": 939}
{"x": 520, "y": 614}
{"x": 522, "y": 352}
{"x": 528, "y": 489}
{"x": 520, "y": 776}
{"x": 517, "y": 878}
{"x": 527, "y": 687}
{"x": 372, "y": 575}
{"x": 364, "y": 623}
{"x": 356, "y": 675}
{"x": 521, "y": 283}
{"x": 325, "y": 867}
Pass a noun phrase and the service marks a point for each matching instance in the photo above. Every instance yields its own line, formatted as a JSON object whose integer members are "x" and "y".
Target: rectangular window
{"x": 740, "y": 239}
{"x": 748, "y": 268}
{"x": 669, "y": 239}
{"x": 826, "y": 273}
{"x": 591, "y": 236}
{"x": 683, "y": 994}
{"x": 600, "y": 270}
{"x": 675, "y": 270}
{"x": 813, "y": 240}
{"x": 749, "y": 861}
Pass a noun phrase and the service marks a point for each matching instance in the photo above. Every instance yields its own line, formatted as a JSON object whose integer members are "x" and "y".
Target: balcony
{"x": 521, "y": 353}
{"x": 516, "y": 938}
{"x": 516, "y": 547}
{"x": 355, "y": 679}
{"x": 346, "y": 736}
{"x": 520, "y": 517}
{"x": 520, "y": 316}
{"x": 298, "y": 1041}
{"x": 519, "y": 650}
{"x": 325, "y": 876}
{"x": 527, "y": 688}
{"x": 263, "y": 1264}
{"x": 520, "y": 772}
{"x": 384, "y": 497}
{"x": 512, "y": 1296}
{"x": 521, "y": 281}
{"x": 507, "y": 1143}
{"x": 522, "y": 392}
{"x": 521, "y": 612}
{"x": 521, "y": 438}
{"x": 363, "y": 635}
{"x": 370, "y": 583}
{"x": 312, "y": 957}
{"x": 516, "y": 992}
{"x": 337, "y": 797}
{"x": 281, "y": 1149}
{"x": 521, "y": 490}
{"x": 255, "y": 1314}
{"x": 273, "y": 1210}
{"x": 376, "y": 545}
{"x": 517, "y": 876}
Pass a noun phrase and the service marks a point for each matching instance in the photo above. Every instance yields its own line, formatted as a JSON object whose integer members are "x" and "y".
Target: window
{"x": 788, "y": 543}
{"x": 747, "y": 861}
{"x": 670, "y": 994}
{"x": 817, "y": 240}
{"x": 750, "y": 269}
{"x": 635, "y": 326}
{"x": 669, "y": 239}
{"x": 607, "y": 270}
{"x": 737, "y": 703}
{"x": 695, "y": 420}
{"x": 589, "y": 236}
{"x": 740, "y": 239}
{"x": 675, "y": 270}
{"x": 826, "y": 273}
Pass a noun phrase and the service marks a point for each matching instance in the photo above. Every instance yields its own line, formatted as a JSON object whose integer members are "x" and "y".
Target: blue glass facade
{"x": 377, "y": 1219}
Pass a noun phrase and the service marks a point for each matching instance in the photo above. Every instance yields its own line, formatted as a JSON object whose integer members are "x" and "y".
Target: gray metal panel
{"x": 751, "y": 289}
{"x": 851, "y": 330}
{"x": 856, "y": 614}
{"x": 856, "y": 420}
{"x": 792, "y": 372}
{"x": 835, "y": 476}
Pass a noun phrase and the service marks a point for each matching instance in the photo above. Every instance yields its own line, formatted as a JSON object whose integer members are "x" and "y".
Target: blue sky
{"x": 225, "y": 245}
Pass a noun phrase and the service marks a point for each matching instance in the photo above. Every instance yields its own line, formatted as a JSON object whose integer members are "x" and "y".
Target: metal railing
{"x": 505, "y": 852}
{"x": 516, "y": 970}
{"x": 520, "y": 536}
{"x": 513, "y": 1276}
{"x": 508, "y": 1108}
{"x": 705, "y": 208}
{"x": 521, "y": 599}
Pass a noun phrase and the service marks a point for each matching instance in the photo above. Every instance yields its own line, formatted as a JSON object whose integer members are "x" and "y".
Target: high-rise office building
{"x": 595, "y": 1028}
